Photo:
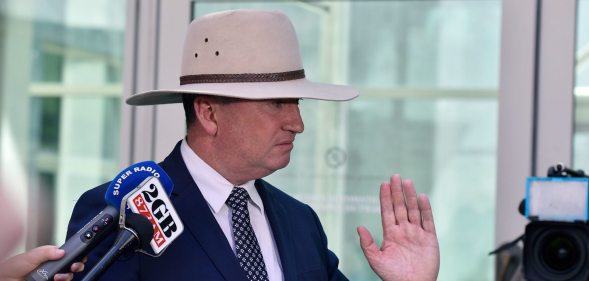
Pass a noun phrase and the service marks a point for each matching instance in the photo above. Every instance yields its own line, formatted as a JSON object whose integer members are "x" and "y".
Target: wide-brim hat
{"x": 248, "y": 54}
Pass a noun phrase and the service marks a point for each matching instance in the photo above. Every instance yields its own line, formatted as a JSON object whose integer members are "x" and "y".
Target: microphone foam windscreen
{"x": 142, "y": 227}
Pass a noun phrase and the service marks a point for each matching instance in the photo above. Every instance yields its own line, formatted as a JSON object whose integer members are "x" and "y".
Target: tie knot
{"x": 238, "y": 197}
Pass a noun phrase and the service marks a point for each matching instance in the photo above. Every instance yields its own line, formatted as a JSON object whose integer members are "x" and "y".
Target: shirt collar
{"x": 213, "y": 186}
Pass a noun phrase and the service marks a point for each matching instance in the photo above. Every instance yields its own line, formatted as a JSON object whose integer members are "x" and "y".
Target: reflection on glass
{"x": 60, "y": 68}
{"x": 428, "y": 76}
{"x": 581, "y": 137}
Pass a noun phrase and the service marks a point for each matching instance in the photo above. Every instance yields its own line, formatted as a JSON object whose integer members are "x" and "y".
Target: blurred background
{"x": 467, "y": 98}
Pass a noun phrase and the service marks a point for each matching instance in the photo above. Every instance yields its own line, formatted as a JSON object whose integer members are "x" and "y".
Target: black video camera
{"x": 556, "y": 241}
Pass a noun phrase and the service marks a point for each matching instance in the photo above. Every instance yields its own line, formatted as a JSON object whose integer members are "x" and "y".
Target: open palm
{"x": 409, "y": 251}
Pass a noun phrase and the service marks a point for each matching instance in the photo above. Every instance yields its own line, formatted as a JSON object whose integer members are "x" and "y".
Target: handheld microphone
{"x": 137, "y": 234}
{"x": 150, "y": 203}
{"x": 103, "y": 223}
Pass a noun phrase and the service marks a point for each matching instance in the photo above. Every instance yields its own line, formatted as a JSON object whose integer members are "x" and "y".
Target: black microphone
{"x": 83, "y": 241}
{"x": 136, "y": 235}
{"x": 159, "y": 226}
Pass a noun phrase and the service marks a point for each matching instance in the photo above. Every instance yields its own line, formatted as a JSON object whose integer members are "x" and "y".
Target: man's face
{"x": 255, "y": 137}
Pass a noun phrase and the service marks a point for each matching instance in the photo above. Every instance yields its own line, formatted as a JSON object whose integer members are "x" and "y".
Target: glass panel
{"x": 581, "y": 136}
{"x": 428, "y": 76}
{"x": 60, "y": 88}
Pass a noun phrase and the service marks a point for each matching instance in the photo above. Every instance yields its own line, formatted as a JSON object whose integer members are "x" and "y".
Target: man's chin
{"x": 278, "y": 165}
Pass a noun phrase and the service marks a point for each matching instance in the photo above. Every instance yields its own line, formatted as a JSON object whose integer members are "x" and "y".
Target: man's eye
{"x": 278, "y": 103}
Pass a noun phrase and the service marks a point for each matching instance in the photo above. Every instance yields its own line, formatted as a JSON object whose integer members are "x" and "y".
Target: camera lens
{"x": 556, "y": 251}
{"x": 560, "y": 251}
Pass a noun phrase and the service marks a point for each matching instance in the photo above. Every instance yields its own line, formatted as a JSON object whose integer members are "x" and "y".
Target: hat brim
{"x": 299, "y": 88}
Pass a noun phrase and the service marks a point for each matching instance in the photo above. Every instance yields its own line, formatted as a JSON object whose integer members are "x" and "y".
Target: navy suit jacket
{"x": 202, "y": 252}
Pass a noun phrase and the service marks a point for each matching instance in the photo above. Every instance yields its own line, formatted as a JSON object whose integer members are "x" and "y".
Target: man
{"x": 242, "y": 78}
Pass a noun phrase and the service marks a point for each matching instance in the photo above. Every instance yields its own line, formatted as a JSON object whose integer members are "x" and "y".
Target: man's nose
{"x": 294, "y": 121}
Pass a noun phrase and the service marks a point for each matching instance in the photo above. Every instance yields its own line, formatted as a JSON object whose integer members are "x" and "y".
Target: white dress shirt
{"x": 216, "y": 189}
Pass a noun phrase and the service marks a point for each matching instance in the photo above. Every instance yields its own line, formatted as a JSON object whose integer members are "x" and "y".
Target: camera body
{"x": 556, "y": 241}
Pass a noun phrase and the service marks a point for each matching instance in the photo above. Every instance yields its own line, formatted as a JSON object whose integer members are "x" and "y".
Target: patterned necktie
{"x": 246, "y": 245}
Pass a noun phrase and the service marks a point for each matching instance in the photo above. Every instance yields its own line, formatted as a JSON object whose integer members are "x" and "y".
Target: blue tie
{"x": 247, "y": 248}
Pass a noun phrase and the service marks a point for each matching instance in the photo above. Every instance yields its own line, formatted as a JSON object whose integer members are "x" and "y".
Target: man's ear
{"x": 205, "y": 110}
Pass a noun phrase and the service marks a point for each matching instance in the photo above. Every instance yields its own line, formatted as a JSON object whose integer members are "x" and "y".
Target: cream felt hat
{"x": 248, "y": 54}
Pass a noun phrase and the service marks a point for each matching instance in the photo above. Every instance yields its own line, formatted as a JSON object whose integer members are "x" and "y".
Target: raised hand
{"x": 409, "y": 250}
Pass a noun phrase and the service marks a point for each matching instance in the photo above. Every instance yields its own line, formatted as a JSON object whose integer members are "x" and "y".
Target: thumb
{"x": 41, "y": 254}
{"x": 22, "y": 264}
{"x": 366, "y": 242}
{"x": 44, "y": 253}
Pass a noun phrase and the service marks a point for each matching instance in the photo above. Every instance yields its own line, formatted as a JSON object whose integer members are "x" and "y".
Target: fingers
{"x": 63, "y": 277}
{"x": 399, "y": 204}
{"x": 411, "y": 201}
{"x": 426, "y": 213}
{"x": 77, "y": 267}
{"x": 387, "y": 213}
{"x": 398, "y": 199}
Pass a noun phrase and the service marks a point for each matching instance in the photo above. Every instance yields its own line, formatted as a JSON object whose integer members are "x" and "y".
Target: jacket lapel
{"x": 278, "y": 218}
{"x": 198, "y": 219}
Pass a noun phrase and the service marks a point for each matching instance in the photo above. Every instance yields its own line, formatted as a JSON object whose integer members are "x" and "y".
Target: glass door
{"x": 428, "y": 76}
